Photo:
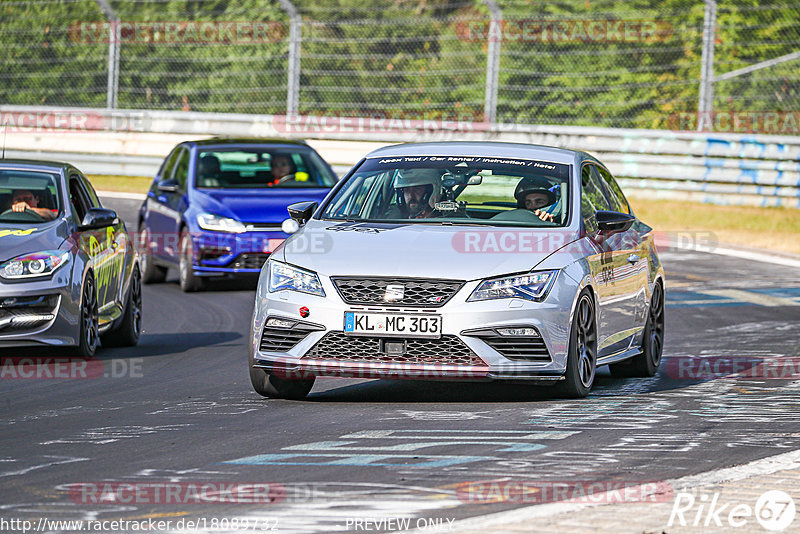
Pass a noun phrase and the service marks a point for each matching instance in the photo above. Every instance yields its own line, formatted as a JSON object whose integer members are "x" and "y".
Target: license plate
{"x": 392, "y": 324}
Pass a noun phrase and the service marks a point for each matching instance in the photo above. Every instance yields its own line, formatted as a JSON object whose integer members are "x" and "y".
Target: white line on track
{"x": 765, "y": 466}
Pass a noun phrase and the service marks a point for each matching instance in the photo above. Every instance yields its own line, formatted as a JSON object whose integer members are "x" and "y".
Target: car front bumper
{"x": 469, "y": 349}
{"x": 218, "y": 253}
{"x": 38, "y": 313}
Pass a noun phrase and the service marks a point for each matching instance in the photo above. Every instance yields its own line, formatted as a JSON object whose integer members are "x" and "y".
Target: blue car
{"x": 216, "y": 207}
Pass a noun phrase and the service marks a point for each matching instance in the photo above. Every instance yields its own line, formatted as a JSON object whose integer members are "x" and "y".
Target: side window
{"x": 618, "y": 200}
{"x": 80, "y": 205}
{"x": 166, "y": 169}
{"x": 592, "y": 197}
{"x": 182, "y": 170}
{"x": 93, "y": 199}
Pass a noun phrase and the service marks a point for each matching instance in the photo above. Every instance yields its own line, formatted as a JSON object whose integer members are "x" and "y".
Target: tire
{"x": 127, "y": 333}
{"x": 646, "y": 363}
{"x": 151, "y": 273}
{"x": 88, "y": 337}
{"x": 188, "y": 280}
{"x": 268, "y": 385}
{"x": 582, "y": 354}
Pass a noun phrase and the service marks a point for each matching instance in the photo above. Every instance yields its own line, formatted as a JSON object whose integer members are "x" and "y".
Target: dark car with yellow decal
{"x": 69, "y": 275}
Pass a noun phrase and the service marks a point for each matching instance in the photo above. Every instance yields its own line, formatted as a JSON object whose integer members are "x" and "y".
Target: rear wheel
{"x": 88, "y": 336}
{"x": 129, "y": 329}
{"x": 188, "y": 280}
{"x": 269, "y": 385}
{"x": 582, "y": 354}
{"x": 151, "y": 273}
{"x": 646, "y": 363}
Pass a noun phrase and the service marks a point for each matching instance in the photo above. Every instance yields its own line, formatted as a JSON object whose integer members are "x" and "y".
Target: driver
{"x": 24, "y": 199}
{"x": 282, "y": 167}
{"x": 418, "y": 191}
{"x": 534, "y": 194}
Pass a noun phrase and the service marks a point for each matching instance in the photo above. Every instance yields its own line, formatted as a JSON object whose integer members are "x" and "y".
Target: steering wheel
{"x": 27, "y": 211}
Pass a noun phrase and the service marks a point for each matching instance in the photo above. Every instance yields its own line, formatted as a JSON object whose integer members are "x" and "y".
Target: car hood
{"x": 17, "y": 239}
{"x": 420, "y": 250}
{"x": 255, "y": 205}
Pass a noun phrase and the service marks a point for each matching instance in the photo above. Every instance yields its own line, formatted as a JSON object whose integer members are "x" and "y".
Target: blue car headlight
{"x": 217, "y": 223}
{"x": 34, "y": 265}
{"x": 531, "y": 286}
{"x": 285, "y": 276}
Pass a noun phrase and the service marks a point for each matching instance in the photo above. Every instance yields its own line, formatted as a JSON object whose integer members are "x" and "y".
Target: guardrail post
{"x": 705, "y": 105}
{"x": 293, "y": 82}
{"x": 113, "y": 53}
{"x": 493, "y": 61}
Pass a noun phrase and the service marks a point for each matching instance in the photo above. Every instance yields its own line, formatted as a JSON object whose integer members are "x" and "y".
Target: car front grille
{"x": 417, "y": 292}
{"x": 529, "y": 349}
{"x": 447, "y": 350}
{"x": 252, "y": 260}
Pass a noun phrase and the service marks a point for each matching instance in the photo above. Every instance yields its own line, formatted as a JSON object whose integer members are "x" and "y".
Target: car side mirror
{"x": 168, "y": 186}
{"x": 99, "y": 218}
{"x": 614, "y": 221}
{"x": 302, "y": 211}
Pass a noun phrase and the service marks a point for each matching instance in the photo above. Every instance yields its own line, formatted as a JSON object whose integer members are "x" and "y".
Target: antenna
{"x": 5, "y": 131}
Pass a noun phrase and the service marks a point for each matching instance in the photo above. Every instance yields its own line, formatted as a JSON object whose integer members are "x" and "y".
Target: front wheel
{"x": 88, "y": 336}
{"x": 269, "y": 385}
{"x": 645, "y": 364}
{"x": 151, "y": 273}
{"x": 582, "y": 354}
{"x": 188, "y": 280}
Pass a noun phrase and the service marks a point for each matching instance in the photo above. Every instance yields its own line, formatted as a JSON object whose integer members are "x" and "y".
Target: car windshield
{"x": 28, "y": 197}
{"x": 455, "y": 190}
{"x": 257, "y": 168}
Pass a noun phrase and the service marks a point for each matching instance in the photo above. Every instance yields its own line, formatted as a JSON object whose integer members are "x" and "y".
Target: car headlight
{"x": 216, "y": 223}
{"x": 34, "y": 265}
{"x": 531, "y": 286}
{"x": 284, "y": 276}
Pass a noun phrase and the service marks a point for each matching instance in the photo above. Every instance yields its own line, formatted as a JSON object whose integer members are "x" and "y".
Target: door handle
{"x": 633, "y": 258}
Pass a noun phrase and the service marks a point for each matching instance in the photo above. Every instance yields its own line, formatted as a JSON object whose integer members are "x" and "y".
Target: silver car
{"x": 461, "y": 261}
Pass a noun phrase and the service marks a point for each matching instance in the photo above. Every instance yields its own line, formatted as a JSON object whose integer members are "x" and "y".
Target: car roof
{"x": 480, "y": 148}
{"x": 247, "y": 141}
{"x": 33, "y": 164}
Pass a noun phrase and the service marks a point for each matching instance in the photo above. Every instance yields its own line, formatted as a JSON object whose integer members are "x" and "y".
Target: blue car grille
{"x": 251, "y": 260}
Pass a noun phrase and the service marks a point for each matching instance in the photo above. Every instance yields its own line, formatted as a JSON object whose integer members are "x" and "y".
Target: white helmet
{"x": 414, "y": 177}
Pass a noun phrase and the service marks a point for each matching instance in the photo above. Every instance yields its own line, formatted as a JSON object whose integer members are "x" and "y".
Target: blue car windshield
{"x": 456, "y": 190}
{"x": 28, "y": 197}
{"x": 259, "y": 168}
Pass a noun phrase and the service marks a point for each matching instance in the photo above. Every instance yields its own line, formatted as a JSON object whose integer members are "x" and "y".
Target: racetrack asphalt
{"x": 179, "y": 408}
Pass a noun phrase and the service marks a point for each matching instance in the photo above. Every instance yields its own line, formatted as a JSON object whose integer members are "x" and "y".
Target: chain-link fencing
{"x": 599, "y": 63}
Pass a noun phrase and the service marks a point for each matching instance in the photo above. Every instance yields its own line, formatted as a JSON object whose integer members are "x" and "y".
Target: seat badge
{"x": 394, "y": 293}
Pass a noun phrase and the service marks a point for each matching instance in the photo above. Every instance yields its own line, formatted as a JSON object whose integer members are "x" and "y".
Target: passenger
{"x": 24, "y": 199}
{"x": 418, "y": 191}
{"x": 534, "y": 194}
{"x": 208, "y": 171}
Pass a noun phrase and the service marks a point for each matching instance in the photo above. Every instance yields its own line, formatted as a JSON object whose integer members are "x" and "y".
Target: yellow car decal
{"x": 17, "y": 231}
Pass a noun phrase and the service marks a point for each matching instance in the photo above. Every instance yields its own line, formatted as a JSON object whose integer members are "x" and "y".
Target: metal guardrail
{"x": 720, "y": 167}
